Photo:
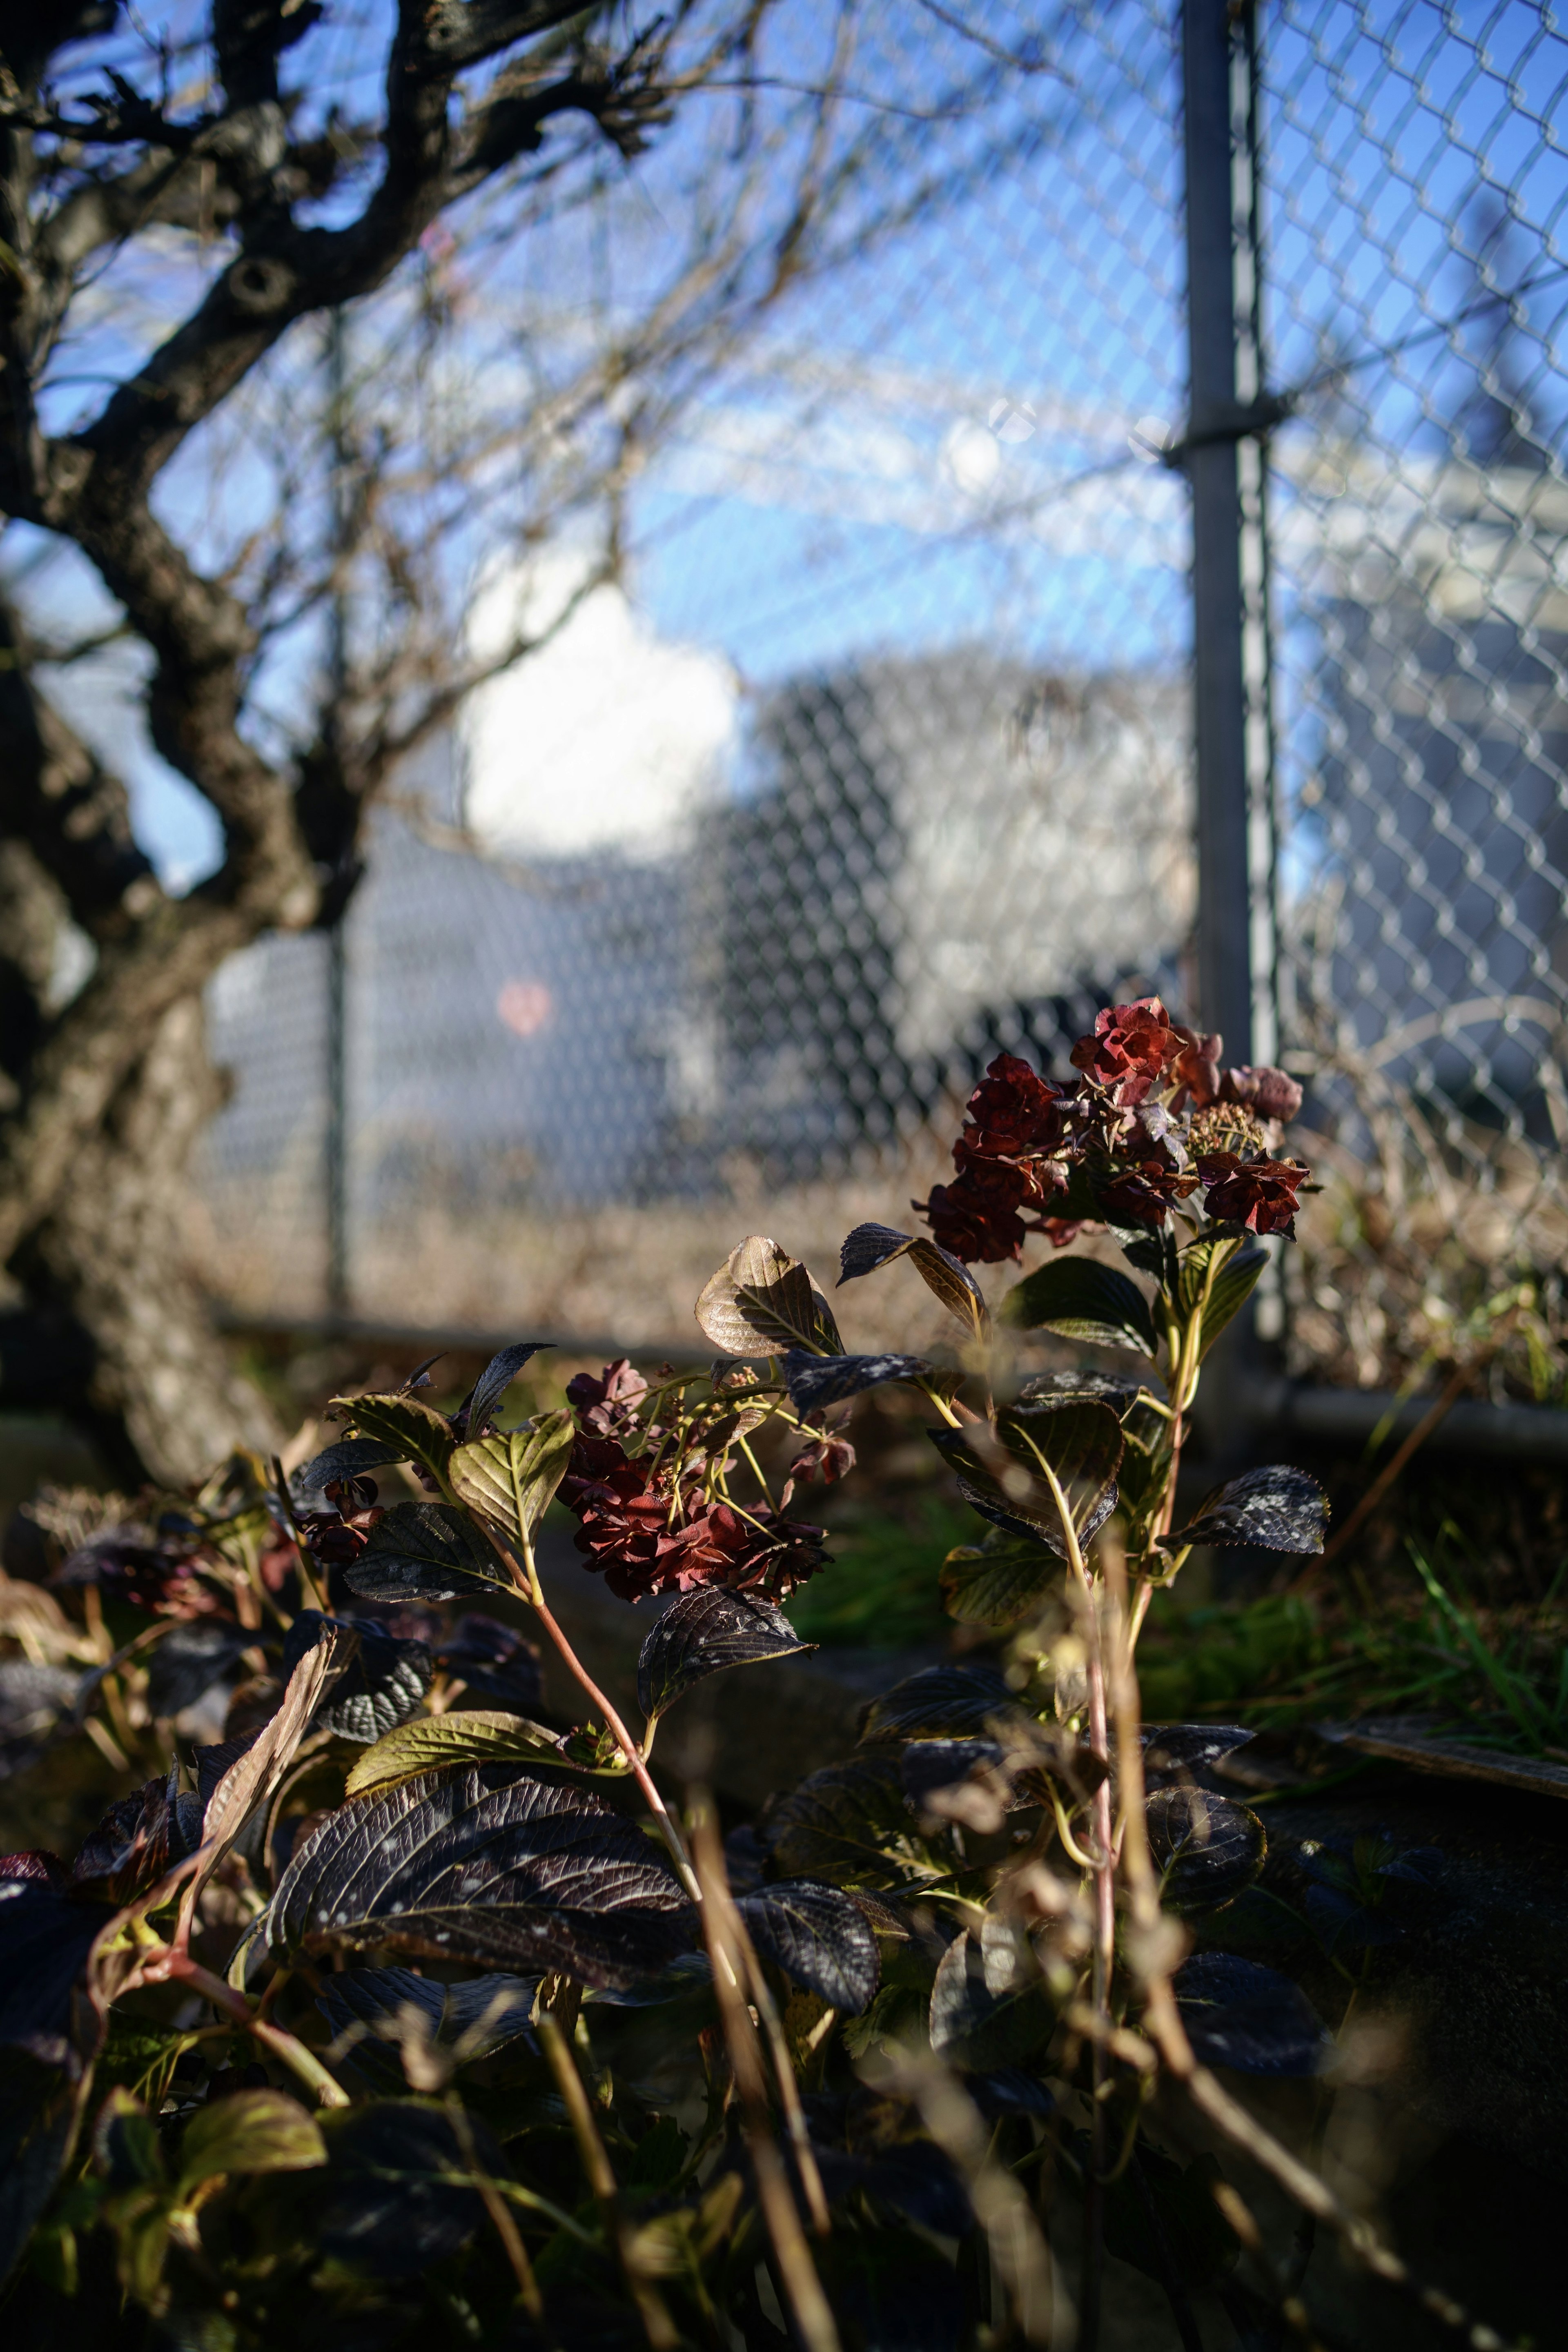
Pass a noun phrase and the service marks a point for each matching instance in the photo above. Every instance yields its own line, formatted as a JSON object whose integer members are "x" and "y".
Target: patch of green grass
{"x": 882, "y": 1587}
{"x": 1496, "y": 1676}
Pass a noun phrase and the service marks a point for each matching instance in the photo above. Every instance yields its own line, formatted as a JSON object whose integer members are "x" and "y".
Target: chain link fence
{"x": 1415, "y": 293}
{"x": 878, "y": 758}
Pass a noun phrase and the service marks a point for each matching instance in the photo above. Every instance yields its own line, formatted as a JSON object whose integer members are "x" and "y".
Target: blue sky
{"x": 884, "y": 471}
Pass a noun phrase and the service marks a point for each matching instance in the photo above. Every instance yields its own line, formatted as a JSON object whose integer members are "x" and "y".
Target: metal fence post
{"x": 336, "y": 1171}
{"x": 1210, "y": 456}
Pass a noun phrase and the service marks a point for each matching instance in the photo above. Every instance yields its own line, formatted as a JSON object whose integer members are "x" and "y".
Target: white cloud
{"x": 609, "y": 737}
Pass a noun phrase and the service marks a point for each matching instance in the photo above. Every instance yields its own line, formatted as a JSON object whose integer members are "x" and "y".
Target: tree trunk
{"x": 110, "y": 1277}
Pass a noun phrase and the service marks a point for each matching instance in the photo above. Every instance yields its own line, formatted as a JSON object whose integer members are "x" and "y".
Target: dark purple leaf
{"x": 38, "y": 2118}
{"x": 1009, "y": 2090}
{"x": 363, "y": 2008}
{"x": 1208, "y": 1849}
{"x": 848, "y": 1824}
{"x": 1283, "y": 1510}
{"x": 945, "y": 1276}
{"x": 1252, "y": 2019}
{"x": 190, "y": 1658}
{"x": 384, "y": 1684}
{"x": 911, "y": 2176}
{"x": 352, "y": 1457}
{"x": 494, "y": 1661}
{"x": 482, "y": 1864}
{"x": 1001, "y": 1473}
{"x": 479, "y": 1406}
{"x": 945, "y": 1703}
{"x": 45, "y": 1938}
{"x": 1172, "y": 1750}
{"x": 214, "y": 1762}
{"x": 814, "y": 1381}
{"x": 928, "y": 1765}
{"x": 986, "y": 2008}
{"x": 1079, "y": 1298}
{"x": 1084, "y": 1381}
{"x": 139, "y": 1839}
{"x": 704, "y": 1632}
{"x": 818, "y": 1937}
{"x": 427, "y": 1551}
{"x": 397, "y": 2197}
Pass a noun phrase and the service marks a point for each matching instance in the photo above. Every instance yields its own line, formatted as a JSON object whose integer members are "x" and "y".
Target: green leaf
{"x": 466, "y": 1736}
{"x": 249, "y": 2131}
{"x": 1081, "y": 1299}
{"x": 427, "y": 1551}
{"x": 416, "y": 1430}
{"x": 1231, "y": 1289}
{"x": 762, "y": 1301}
{"x": 997, "y": 1586}
{"x": 512, "y": 1479}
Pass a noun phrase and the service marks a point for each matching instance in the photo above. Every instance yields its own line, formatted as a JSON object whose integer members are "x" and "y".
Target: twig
{"x": 506, "y": 2229}
{"x": 1151, "y": 1946}
{"x": 658, "y": 2325}
{"x": 762, "y": 2000}
{"x": 285, "y": 2047}
{"x": 526, "y": 1576}
{"x": 797, "y": 2272}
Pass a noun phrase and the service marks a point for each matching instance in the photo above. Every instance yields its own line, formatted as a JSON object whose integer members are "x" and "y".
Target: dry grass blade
{"x": 797, "y": 2272}
{"x": 1001, "y": 2208}
{"x": 658, "y": 2325}
{"x": 253, "y": 1778}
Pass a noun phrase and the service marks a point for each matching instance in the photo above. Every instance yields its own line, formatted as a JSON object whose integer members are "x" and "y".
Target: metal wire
{"x": 880, "y": 761}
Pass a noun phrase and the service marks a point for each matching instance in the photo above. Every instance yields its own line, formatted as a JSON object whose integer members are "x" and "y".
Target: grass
{"x": 1499, "y": 1676}
{"x": 882, "y": 1590}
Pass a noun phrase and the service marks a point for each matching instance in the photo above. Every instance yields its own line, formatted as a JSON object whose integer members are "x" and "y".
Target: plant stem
{"x": 658, "y": 2325}
{"x": 285, "y": 2047}
{"x": 506, "y": 2229}
{"x": 526, "y": 1579}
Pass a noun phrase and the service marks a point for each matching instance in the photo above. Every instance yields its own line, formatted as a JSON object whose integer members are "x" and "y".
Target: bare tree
{"x": 187, "y": 203}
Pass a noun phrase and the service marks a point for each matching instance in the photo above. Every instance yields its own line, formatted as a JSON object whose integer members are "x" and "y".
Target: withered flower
{"x": 1142, "y": 1191}
{"x": 1258, "y": 1193}
{"x": 1013, "y": 1114}
{"x": 1271, "y": 1093}
{"x": 1131, "y": 1050}
{"x": 608, "y": 1405}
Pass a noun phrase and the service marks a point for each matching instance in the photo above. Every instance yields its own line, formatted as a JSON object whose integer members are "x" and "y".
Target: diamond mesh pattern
{"x": 878, "y": 762}
{"x": 1417, "y": 287}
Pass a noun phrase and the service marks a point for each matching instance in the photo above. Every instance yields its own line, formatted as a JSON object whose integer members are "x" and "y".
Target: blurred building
{"x": 934, "y": 857}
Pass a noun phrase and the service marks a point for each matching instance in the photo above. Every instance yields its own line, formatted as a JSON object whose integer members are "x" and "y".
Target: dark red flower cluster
{"x": 1143, "y": 1187}
{"x": 1127, "y": 1118}
{"x": 337, "y": 1536}
{"x": 649, "y": 1540}
{"x": 1010, "y": 1162}
{"x": 608, "y": 1405}
{"x": 1258, "y": 1193}
{"x": 157, "y": 1570}
{"x": 1133, "y": 1047}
